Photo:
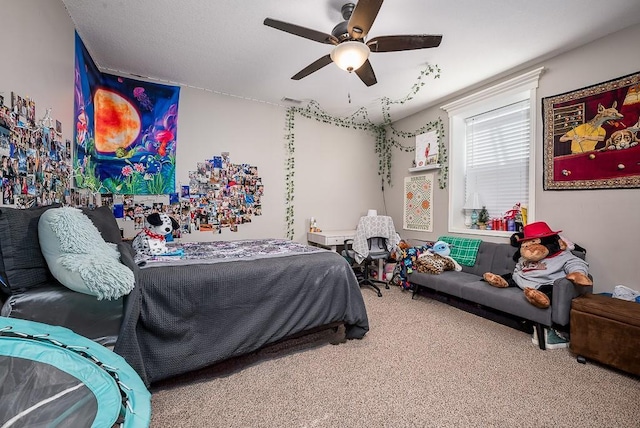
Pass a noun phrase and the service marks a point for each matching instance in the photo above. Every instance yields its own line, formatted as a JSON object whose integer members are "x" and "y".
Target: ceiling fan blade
{"x": 362, "y": 18}
{"x": 314, "y": 66}
{"x": 404, "y": 43}
{"x": 366, "y": 74}
{"x": 297, "y": 30}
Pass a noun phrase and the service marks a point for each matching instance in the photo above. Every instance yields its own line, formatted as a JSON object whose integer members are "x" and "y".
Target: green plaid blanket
{"x": 463, "y": 250}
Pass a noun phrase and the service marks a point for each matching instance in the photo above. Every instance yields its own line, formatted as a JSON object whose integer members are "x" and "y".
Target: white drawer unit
{"x": 331, "y": 238}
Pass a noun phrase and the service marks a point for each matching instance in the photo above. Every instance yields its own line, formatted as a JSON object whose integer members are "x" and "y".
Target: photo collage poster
{"x": 220, "y": 195}
{"x": 36, "y": 162}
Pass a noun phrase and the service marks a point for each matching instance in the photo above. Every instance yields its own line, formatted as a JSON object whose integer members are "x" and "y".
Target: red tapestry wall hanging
{"x": 592, "y": 136}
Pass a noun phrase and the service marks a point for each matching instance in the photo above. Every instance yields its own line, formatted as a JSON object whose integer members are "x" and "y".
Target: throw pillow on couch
{"x": 22, "y": 266}
{"x": 78, "y": 256}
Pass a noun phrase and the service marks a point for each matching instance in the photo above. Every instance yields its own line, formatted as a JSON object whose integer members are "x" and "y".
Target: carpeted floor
{"x": 422, "y": 364}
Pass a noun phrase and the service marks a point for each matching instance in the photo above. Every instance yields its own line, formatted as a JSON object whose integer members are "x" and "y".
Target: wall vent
{"x": 291, "y": 100}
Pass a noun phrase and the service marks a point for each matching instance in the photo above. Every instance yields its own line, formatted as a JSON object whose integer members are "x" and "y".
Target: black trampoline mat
{"x": 38, "y": 394}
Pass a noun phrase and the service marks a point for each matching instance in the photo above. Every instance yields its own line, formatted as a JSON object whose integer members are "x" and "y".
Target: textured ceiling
{"x": 223, "y": 46}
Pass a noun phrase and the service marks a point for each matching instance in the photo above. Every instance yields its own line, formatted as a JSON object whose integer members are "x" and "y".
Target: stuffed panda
{"x": 151, "y": 240}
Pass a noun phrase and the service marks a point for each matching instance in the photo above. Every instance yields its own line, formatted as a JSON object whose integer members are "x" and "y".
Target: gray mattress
{"x": 186, "y": 317}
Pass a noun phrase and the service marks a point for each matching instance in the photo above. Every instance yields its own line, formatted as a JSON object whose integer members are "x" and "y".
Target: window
{"x": 497, "y": 157}
{"x": 491, "y": 135}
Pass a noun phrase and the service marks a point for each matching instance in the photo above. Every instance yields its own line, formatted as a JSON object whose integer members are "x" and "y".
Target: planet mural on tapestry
{"x": 117, "y": 122}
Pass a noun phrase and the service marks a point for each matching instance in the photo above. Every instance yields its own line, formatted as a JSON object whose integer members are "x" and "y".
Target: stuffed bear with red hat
{"x": 544, "y": 258}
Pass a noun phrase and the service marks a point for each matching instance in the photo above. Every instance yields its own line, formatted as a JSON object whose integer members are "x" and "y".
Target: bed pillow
{"x": 102, "y": 217}
{"x": 79, "y": 257}
{"x": 22, "y": 265}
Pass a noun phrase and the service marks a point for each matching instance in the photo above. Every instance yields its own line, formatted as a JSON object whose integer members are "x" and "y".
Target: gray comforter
{"x": 184, "y": 317}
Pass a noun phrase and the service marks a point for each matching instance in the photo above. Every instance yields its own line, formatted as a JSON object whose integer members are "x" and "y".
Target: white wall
{"x": 336, "y": 168}
{"x": 209, "y": 124}
{"x": 37, "y": 57}
{"x": 338, "y": 175}
{"x": 605, "y": 222}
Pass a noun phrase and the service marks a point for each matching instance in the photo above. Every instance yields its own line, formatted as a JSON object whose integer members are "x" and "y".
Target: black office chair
{"x": 377, "y": 251}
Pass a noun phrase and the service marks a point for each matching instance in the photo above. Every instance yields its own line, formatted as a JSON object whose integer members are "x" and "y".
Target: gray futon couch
{"x": 29, "y": 291}
{"x": 498, "y": 258}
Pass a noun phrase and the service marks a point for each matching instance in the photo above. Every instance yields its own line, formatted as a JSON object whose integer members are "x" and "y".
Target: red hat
{"x": 539, "y": 229}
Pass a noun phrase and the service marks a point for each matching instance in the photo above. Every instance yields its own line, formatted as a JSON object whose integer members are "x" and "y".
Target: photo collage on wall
{"x": 36, "y": 163}
{"x": 137, "y": 207}
{"x": 219, "y": 195}
{"x": 222, "y": 194}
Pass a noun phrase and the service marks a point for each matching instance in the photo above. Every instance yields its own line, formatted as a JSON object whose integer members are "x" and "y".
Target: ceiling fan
{"x": 351, "y": 52}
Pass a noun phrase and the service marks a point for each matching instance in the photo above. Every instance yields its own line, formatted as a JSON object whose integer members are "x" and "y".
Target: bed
{"x": 220, "y": 301}
{"x": 229, "y": 298}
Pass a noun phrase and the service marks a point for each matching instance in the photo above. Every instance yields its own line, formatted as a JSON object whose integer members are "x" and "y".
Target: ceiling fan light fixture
{"x": 350, "y": 55}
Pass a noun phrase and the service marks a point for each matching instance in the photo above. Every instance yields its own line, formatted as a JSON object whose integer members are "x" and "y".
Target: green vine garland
{"x": 385, "y": 133}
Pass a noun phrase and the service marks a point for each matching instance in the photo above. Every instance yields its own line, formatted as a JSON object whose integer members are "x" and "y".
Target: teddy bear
{"x": 543, "y": 257}
{"x": 151, "y": 240}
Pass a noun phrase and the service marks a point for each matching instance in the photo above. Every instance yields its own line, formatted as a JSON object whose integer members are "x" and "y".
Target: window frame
{"x": 502, "y": 94}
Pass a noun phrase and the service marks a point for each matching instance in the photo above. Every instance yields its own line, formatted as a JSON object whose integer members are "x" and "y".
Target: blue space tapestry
{"x": 125, "y": 131}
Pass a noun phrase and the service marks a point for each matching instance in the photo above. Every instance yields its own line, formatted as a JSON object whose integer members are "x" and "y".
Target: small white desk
{"x": 330, "y": 238}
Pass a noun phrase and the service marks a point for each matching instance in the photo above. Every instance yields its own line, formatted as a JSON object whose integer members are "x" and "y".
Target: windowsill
{"x": 424, "y": 168}
{"x": 481, "y": 232}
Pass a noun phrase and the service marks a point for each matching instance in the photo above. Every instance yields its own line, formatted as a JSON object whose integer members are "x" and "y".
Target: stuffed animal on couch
{"x": 437, "y": 259}
{"x": 406, "y": 257}
{"x": 151, "y": 240}
{"x": 544, "y": 258}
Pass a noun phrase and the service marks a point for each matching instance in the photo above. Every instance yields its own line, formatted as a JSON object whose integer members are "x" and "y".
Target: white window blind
{"x": 497, "y": 157}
